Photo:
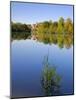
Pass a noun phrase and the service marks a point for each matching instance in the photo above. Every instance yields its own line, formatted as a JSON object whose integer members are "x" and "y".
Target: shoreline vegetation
{"x": 50, "y": 79}
{"x": 58, "y": 32}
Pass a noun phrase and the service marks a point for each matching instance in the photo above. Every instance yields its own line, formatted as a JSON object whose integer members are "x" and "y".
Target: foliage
{"x": 50, "y": 80}
{"x": 20, "y": 30}
{"x": 60, "y": 27}
{"x": 58, "y": 32}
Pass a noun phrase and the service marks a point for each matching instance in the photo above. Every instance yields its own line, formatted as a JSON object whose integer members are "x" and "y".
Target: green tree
{"x": 60, "y": 29}
{"x": 68, "y": 26}
{"x": 53, "y": 28}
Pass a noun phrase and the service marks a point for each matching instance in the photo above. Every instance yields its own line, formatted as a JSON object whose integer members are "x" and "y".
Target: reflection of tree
{"x": 20, "y": 35}
{"x": 58, "y": 32}
{"x": 60, "y": 40}
{"x": 20, "y": 31}
{"x": 68, "y": 40}
{"x": 55, "y": 32}
{"x": 50, "y": 80}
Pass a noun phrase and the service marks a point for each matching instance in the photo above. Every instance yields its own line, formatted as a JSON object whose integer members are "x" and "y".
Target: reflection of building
{"x": 34, "y": 30}
{"x": 33, "y": 37}
{"x": 33, "y": 27}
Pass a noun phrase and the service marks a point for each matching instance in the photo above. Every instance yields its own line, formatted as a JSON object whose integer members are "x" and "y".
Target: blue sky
{"x": 30, "y": 13}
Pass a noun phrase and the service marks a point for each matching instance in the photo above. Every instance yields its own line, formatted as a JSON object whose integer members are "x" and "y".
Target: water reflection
{"x": 31, "y": 77}
{"x": 61, "y": 40}
{"x": 50, "y": 79}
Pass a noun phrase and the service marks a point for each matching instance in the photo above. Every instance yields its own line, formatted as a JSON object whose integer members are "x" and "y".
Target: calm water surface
{"x": 27, "y": 65}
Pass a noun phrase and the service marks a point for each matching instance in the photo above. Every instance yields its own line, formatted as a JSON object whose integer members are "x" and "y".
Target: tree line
{"x": 20, "y": 30}
{"x": 60, "y": 31}
{"x": 49, "y": 27}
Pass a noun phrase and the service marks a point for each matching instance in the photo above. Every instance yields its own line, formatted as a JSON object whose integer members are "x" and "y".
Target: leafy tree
{"x": 68, "y": 26}
{"x": 20, "y": 30}
{"x": 60, "y": 29}
{"x": 53, "y": 28}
